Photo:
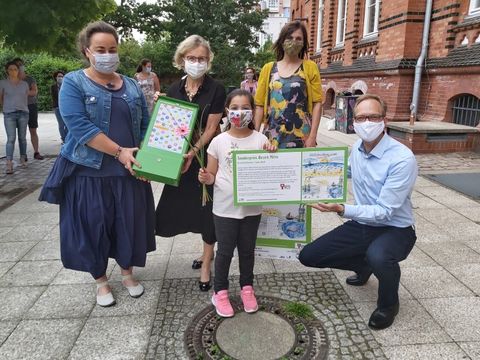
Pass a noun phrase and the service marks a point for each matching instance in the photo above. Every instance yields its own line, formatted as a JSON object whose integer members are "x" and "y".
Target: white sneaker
{"x": 134, "y": 291}
{"x": 107, "y": 299}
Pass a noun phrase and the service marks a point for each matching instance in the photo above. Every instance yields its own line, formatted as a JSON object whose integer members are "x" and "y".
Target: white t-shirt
{"x": 221, "y": 149}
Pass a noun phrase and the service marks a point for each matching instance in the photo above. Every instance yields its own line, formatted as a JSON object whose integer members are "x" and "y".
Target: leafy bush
{"x": 41, "y": 67}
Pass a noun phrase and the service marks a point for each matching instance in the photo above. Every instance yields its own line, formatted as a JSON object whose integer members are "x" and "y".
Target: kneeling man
{"x": 381, "y": 231}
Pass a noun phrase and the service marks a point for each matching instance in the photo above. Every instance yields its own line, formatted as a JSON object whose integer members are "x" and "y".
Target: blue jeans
{"x": 357, "y": 247}
{"x": 62, "y": 129}
{"x": 13, "y": 121}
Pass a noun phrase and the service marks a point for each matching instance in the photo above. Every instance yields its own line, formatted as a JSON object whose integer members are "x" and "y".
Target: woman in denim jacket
{"x": 105, "y": 211}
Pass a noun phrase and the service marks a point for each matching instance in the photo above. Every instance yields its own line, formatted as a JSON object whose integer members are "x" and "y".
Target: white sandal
{"x": 107, "y": 299}
{"x": 134, "y": 291}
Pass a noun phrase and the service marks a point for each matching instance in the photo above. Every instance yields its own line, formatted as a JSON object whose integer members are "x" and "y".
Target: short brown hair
{"x": 370, "y": 97}
{"x": 94, "y": 27}
{"x": 286, "y": 31}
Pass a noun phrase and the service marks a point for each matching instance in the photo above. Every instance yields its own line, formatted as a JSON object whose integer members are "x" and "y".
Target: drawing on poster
{"x": 323, "y": 175}
{"x": 285, "y": 222}
{"x": 172, "y": 125}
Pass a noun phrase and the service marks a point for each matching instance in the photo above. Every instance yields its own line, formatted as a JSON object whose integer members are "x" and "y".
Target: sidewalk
{"x": 47, "y": 312}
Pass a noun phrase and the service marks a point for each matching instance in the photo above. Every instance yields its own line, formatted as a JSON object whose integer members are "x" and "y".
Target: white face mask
{"x": 368, "y": 130}
{"x": 195, "y": 70}
{"x": 105, "y": 63}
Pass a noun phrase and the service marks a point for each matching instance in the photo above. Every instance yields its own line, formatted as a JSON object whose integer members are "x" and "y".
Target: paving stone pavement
{"x": 47, "y": 312}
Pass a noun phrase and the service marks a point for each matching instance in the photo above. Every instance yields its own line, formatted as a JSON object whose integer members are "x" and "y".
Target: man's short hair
{"x": 371, "y": 97}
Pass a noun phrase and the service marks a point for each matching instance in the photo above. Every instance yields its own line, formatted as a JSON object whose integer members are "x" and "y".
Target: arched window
{"x": 358, "y": 92}
{"x": 466, "y": 110}
{"x": 329, "y": 99}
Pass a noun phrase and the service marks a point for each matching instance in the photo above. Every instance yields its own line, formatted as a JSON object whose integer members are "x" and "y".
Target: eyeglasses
{"x": 372, "y": 118}
{"x": 194, "y": 59}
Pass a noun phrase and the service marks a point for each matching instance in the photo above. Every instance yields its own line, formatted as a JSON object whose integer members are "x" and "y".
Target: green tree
{"x": 264, "y": 55}
{"x": 36, "y": 25}
{"x": 229, "y": 25}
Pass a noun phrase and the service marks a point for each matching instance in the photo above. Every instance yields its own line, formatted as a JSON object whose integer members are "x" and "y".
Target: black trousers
{"x": 357, "y": 247}
{"x": 231, "y": 233}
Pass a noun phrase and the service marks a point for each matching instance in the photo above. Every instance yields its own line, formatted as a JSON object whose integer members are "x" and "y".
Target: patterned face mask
{"x": 240, "y": 118}
{"x": 292, "y": 47}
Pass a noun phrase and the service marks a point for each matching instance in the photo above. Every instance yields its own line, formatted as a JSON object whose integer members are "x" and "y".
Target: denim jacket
{"x": 86, "y": 109}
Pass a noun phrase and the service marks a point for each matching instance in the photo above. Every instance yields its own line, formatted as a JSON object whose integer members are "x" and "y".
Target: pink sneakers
{"x": 248, "y": 298}
{"x": 222, "y": 304}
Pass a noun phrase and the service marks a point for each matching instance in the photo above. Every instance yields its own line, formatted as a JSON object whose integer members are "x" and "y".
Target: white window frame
{"x": 342, "y": 10}
{"x": 273, "y": 7}
{"x": 319, "y": 26}
{"x": 366, "y": 19}
{"x": 474, "y": 8}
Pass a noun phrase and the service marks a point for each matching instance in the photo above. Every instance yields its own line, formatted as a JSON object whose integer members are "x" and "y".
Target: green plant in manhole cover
{"x": 302, "y": 311}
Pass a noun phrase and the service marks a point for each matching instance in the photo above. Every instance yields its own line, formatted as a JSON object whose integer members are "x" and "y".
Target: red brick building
{"x": 373, "y": 46}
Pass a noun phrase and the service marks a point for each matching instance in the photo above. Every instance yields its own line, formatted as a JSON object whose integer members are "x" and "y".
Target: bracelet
{"x": 117, "y": 154}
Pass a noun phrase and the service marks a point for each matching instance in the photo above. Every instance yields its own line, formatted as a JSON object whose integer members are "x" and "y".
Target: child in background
{"x": 235, "y": 226}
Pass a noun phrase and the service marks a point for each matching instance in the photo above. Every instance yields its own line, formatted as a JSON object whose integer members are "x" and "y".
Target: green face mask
{"x": 292, "y": 47}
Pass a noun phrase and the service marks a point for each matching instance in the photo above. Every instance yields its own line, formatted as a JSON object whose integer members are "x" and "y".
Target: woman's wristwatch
{"x": 342, "y": 212}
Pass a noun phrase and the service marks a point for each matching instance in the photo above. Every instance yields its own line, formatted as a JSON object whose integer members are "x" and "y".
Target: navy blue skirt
{"x": 101, "y": 218}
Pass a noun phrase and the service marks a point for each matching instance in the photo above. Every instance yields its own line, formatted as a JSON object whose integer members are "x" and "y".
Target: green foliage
{"x": 41, "y": 67}
{"x": 229, "y": 26}
{"x": 264, "y": 55}
{"x": 45, "y": 25}
{"x": 299, "y": 310}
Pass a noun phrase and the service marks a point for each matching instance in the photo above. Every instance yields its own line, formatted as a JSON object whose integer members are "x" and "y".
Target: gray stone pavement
{"x": 47, "y": 312}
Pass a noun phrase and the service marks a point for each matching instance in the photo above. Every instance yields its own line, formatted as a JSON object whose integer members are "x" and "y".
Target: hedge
{"x": 41, "y": 67}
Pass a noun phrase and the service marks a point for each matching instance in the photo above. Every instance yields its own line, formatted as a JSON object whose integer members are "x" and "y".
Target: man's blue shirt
{"x": 383, "y": 182}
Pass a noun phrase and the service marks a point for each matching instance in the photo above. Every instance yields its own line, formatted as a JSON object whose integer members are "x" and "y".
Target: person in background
{"x": 289, "y": 92}
{"x": 32, "y": 108}
{"x": 250, "y": 82}
{"x": 54, "y": 89}
{"x": 13, "y": 98}
{"x": 180, "y": 208}
{"x": 105, "y": 211}
{"x": 148, "y": 81}
{"x": 381, "y": 230}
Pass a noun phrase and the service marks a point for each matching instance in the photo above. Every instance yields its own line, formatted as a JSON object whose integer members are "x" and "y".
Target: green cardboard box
{"x": 167, "y": 140}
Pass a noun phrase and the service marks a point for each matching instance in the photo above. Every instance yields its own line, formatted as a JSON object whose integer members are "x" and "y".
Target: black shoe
{"x": 204, "y": 286}
{"x": 383, "y": 318}
{"x": 37, "y": 156}
{"x": 197, "y": 264}
{"x": 359, "y": 279}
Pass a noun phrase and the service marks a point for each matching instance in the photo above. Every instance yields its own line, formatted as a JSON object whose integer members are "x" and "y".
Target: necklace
{"x": 192, "y": 92}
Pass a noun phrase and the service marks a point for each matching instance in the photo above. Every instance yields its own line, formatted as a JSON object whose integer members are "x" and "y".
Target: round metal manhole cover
{"x": 274, "y": 332}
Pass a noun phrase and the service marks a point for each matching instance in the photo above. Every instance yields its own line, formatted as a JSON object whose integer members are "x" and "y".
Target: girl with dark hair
{"x": 235, "y": 226}
{"x": 148, "y": 81}
{"x": 289, "y": 93}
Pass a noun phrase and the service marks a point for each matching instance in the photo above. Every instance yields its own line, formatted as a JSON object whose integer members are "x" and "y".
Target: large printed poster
{"x": 284, "y": 182}
{"x": 290, "y": 176}
{"x": 284, "y": 230}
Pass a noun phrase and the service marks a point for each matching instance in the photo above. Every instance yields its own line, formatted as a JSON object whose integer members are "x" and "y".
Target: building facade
{"x": 278, "y": 15}
{"x": 373, "y": 46}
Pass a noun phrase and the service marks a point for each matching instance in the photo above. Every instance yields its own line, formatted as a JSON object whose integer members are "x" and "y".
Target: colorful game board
{"x": 166, "y": 140}
{"x": 171, "y": 125}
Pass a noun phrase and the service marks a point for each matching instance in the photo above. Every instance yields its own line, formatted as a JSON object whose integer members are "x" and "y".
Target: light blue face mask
{"x": 105, "y": 63}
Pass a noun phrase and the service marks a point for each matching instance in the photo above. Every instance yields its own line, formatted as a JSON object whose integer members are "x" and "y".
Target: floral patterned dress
{"x": 289, "y": 122}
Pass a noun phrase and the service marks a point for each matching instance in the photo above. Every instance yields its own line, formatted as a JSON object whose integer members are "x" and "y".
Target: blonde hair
{"x": 371, "y": 97}
{"x": 191, "y": 43}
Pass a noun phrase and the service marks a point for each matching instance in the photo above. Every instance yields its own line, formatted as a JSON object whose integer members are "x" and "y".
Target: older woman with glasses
{"x": 180, "y": 208}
